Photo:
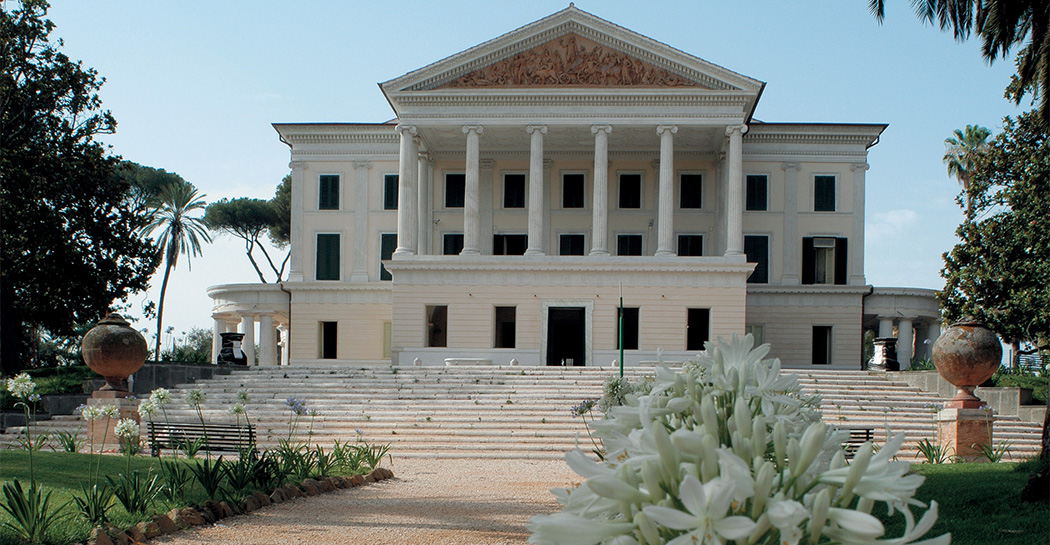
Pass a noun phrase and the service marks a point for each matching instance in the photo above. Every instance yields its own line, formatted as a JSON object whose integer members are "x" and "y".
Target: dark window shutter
{"x": 841, "y": 259}
{"x": 808, "y": 261}
{"x": 327, "y": 257}
{"x": 455, "y": 190}
{"x": 390, "y": 192}
{"x": 387, "y": 245}
{"x": 757, "y": 250}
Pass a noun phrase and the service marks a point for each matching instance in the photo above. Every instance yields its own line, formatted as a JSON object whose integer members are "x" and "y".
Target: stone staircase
{"x": 510, "y": 412}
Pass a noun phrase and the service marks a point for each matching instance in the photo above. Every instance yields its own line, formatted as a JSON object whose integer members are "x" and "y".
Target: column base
{"x": 535, "y": 252}
{"x": 470, "y": 251}
{"x": 359, "y": 277}
{"x": 963, "y": 431}
{"x": 404, "y": 251}
{"x": 665, "y": 253}
{"x": 599, "y": 252}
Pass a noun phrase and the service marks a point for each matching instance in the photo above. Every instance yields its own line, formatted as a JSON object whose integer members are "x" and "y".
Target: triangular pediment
{"x": 571, "y": 48}
{"x": 573, "y": 61}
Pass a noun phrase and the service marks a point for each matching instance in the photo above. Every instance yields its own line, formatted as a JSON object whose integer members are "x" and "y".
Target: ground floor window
{"x": 821, "y": 345}
{"x": 757, "y": 332}
{"x": 509, "y": 244}
{"x": 571, "y": 245}
{"x": 437, "y": 326}
{"x": 690, "y": 245}
{"x": 698, "y": 328}
{"x": 505, "y": 327}
{"x": 328, "y": 333}
{"x": 629, "y": 245}
{"x": 630, "y": 328}
{"x": 452, "y": 243}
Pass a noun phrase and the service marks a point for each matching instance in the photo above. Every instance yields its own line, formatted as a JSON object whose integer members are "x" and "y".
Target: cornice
{"x": 672, "y": 265}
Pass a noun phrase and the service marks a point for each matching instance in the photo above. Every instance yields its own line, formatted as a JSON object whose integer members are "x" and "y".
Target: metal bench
{"x": 857, "y": 437}
{"x": 215, "y": 437}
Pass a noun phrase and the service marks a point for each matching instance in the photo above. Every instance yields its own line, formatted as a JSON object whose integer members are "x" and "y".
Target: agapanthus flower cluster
{"x": 21, "y": 386}
{"x": 126, "y": 428}
{"x": 90, "y": 413}
{"x": 160, "y": 397}
{"x": 196, "y": 397}
{"x": 147, "y": 409}
{"x": 297, "y": 406}
{"x": 730, "y": 449}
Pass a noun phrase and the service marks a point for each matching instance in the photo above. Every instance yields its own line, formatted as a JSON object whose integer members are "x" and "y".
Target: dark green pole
{"x": 621, "y": 329}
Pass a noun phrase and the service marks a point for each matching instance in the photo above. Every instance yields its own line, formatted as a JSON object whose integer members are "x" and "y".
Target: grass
{"x": 980, "y": 504}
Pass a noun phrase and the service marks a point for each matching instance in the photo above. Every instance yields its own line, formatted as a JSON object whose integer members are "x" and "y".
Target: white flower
{"x": 568, "y": 529}
{"x": 786, "y": 516}
{"x": 126, "y": 428}
{"x": 242, "y": 396}
{"x": 706, "y": 522}
{"x": 108, "y": 411}
{"x": 21, "y": 386}
{"x": 196, "y": 397}
{"x": 89, "y": 413}
{"x": 237, "y": 409}
{"x": 147, "y": 409}
{"x": 160, "y": 396}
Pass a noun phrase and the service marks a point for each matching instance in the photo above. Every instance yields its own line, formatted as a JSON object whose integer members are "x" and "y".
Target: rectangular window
{"x": 509, "y": 244}
{"x": 513, "y": 191}
{"x": 757, "y": 188}
{"x": 572, "y": 191}
{"x": 757, "y": 249}
{"x": 328, "y": 332}
{"x": 455, "y": 189}
{"x": 821, "y": 345}
{"x": 630, "y": 328}
{"x": 452, "y": 243}
{"x": 387, "y": 245}
{"x": 437, "y": 326}
{"x": 328, "y": 192}
{"x": 505, "y": 326}
{"x": 691, "y": 245}
{"x": 628, "y": 244}
{"x": 824, "y": 193}
{"x": 697, "y": 329}
{"x": 691, "y": 192}
{"x": 630, "y": 191}
{"x": 327, "y": 256}
{"x": 570, "y": 245}
{"x": 824, "y": 260}
{"x": 757, "y": 332}
{"x": 390, "y": 192}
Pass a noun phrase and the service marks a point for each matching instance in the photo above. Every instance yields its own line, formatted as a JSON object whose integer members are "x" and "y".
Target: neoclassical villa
{"x": 529, "y": 182}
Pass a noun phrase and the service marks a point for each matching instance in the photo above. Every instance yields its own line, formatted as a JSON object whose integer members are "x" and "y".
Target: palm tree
{"x": 1001, "y": 24}
{"x": 179, "y": 234}
{"x": 961, "y": 153}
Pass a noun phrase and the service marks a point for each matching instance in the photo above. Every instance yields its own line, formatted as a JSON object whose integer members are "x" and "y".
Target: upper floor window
{"x": 691, "y": 245}
{"x": 571, "y": 245}
{"x": 390, "y": 192}
{"x": 452, "y": 243}
{"x": 756, "y": 247}
{"x": 824, "y": 260}
{"x": 328, "y": 192}
{"x": 327, "y": 256}
{"x": 455, "y": 189}
{"x": 387, "y": 245}
{"x": 630, "y": 191}
{"x": 572, "y": 191}
{"x": 691, "y": 192}
{"x": 824, "y": 193}
{"x": 628, "y": 244}
{"x": 513, "y": 191}
{"x": 757, "y": 192}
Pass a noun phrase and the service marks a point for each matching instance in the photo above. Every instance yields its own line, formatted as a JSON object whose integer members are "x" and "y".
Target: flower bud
{"x": 821, "y": 505}
{"x": 742, "y": 417}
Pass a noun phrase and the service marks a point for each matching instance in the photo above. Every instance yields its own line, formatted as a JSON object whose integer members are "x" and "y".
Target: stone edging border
{"x": 212, "y": 511}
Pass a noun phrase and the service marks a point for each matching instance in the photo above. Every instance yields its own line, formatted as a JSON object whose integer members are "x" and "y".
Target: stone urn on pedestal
{"x": 114, "y": 350}
{"x": 966, "y": 355}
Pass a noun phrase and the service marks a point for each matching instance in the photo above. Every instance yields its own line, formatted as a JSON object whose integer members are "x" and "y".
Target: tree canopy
{"x": 248, "y": 219}
{"x": 69, "y": 244}
{"x": 1000, "y": 271}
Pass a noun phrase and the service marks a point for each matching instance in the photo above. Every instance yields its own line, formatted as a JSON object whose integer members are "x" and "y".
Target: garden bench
{"x": 215, "y": 437}
{"x": 857, "y": 437}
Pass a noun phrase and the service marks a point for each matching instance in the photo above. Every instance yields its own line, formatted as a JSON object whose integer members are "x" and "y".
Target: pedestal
{"x": 129, "y": 408}
{"x": 964, "y": 431}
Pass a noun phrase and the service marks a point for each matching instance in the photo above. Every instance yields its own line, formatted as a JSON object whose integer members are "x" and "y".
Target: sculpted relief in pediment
{"x": 573, "y": 61}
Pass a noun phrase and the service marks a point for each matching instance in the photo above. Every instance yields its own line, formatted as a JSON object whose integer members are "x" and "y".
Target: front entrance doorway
{"x": 566, "y": 336}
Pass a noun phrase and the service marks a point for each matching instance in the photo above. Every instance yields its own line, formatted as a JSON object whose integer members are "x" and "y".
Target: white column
{"x": 600, "y": 218}
{"x": 423, "y": 205}
{"x": 905, "y": 340}
{"x": 792, "y": 242}
{"x": 248, "y": 343}
{"x": 471, "y": 197}
{"x": 295, "y": 235}
{"x": 933, "y": 332}
{"x": 665, "y": 210}
{"x": 217, "y": 328}
{"x": 885, "y": 327}
{"x": 359, "y": 265}
{"x": 856, "y": 246}
{"x": 282, "y": 332}
{"x": 536, "y": 221}
{"x": 735, "y": 186}
{"x": 267, "y": 342}
{"x": 406, "y": 191}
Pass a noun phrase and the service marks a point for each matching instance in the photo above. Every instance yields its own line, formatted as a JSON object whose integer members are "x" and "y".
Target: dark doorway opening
{"x": 566, "y": 336}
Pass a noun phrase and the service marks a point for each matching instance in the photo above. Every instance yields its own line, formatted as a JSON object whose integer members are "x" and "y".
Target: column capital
{"x": 791, "y": 166}
{"x": 595, "y": 129}
{"x": 656, "y": 164}
{"x": 730, "y": 129}
{"x": 297, "y": 165}
{"x": 533, "y": 128}
{"x": 859, "y": 166}
{"x": 476, "y": 129}
{"x": 424, "y": 156}
{"x": 363, "y": 164}
{"x": 660, "y": 129}
{"x": 402, "y": 129}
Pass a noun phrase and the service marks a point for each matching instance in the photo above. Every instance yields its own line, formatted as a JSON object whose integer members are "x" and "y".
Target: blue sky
{"x": 195, "y": 85}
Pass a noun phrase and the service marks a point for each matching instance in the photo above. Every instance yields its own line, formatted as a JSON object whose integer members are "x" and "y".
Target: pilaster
{"x": 792, "y": 242}
{"x": 295, "y": 261}
{"x": 856, "y": 246}
{"x": 359, "y": 266}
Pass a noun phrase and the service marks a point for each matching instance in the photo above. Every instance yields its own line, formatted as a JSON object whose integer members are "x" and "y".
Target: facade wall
{"x": 788, "y": 320}
{"x": 359, "y": 326}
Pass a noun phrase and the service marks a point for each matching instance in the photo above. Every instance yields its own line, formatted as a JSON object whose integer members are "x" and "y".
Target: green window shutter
{"x": 757, "y": 188}
{"x": 387, "y": 245}
{"x": 327, "y": 256}
{"x": 824, "y": 193}
{"x": 328, "y": 192}
{"x": 390, "y": 182}
{"x": 757, "y": 249}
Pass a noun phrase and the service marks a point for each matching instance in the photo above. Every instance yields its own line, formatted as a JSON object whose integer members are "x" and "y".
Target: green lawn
{"x": 979, "y": 504}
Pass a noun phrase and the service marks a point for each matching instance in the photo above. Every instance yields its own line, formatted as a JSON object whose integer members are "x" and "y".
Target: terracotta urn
{"x": 966, "y": 355}
{"x": 114, "y": 350}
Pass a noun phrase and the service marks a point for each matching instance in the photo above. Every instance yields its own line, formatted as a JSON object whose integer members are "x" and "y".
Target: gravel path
{"x": 447, "y": 502}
